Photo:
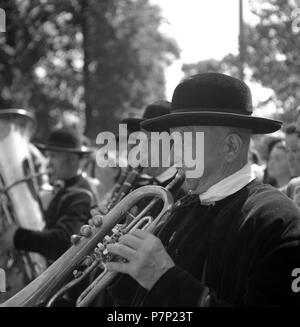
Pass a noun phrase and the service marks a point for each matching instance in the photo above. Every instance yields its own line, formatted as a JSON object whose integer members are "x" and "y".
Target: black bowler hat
{"x": 212, "y": 99}
{"x": 65, "y": 140}
{"x": 155, "y": 109}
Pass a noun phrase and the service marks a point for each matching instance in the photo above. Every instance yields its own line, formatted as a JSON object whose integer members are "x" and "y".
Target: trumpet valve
{"x": 86, "y": 230}
{"x": 77, "y": 273}
{"x": 88, "y": 260}
{"x": 75, "y": 239}
{"x": 107, "y": 239}
{"x": 100, "y": 246}
{"x": 115, "y": 230}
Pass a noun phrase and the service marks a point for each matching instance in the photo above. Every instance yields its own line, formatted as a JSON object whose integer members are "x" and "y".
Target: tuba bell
{"x": 19, "y": 201}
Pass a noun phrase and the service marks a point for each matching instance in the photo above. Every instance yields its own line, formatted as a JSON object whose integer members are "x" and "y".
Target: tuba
{"x": 52, "y": 283}
{"x": 19, "y": 201}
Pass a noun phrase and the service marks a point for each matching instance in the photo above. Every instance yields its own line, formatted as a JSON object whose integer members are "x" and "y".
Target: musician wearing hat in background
{"x": 234, "y": 241}
{"x": 158, "y": 175}
{"x": 68, "y": 209}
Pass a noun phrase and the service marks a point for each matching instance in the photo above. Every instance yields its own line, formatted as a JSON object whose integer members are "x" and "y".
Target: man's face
{"x": 293, "y": 153}
{"x": 61, "y": 165}
{"x": 278, "y": 164}
{"x": 213, "y": 155}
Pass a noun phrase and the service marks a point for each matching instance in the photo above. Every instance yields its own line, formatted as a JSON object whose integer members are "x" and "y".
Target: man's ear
{"x": 233, "y": 146}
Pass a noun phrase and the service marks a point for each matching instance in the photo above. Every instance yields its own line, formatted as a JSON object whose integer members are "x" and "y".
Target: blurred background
{"x": 93, "y": 62}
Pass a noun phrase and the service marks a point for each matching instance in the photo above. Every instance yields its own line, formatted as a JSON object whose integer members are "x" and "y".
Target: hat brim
{"x": 81, "y": 150}
{"x": 208, "y": 118}
{"x": 131, "y": 120}
{"x": 133, "y": 124}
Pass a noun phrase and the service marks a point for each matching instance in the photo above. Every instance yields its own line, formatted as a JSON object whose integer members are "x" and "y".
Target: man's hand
{"x": 7, "y": 238}
{"x": 86, "y": 230}
{"x": 101, "y": 209}
{"x": 96, "y": 221}
{"x": 146, "y": 257}
{"x": 97, "y": 213}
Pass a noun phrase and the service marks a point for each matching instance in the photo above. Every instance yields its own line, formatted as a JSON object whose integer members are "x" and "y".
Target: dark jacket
{"x": 249, "y": 243}
{"x": 66, "y": 213}
{"x": 177, "y": 191}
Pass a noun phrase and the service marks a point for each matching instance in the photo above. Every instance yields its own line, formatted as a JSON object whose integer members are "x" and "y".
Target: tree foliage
{"x": 98, "y": 58}
{"x": 228, "y": 64}
{"x": 271, "y": 55}
{"x": 129, "y": 72}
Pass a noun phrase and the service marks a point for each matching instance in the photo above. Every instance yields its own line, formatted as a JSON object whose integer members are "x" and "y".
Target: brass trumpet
{"x": 45, "y": 288}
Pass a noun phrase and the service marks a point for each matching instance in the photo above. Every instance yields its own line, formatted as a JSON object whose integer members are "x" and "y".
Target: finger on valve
{"x": 86, "y": 230}
{"x": 97, "y": 220}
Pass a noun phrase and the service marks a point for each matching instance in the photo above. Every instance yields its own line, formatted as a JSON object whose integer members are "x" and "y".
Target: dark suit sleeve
{"x": 121, "y": 291}
{"x": 269, "y": 282}
{"x": 175, "y": 288}
{"x": 270, "y": 279}
{"x": 53, "y": 242}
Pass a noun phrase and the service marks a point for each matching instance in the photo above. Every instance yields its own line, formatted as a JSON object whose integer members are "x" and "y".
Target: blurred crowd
{"x": 279, "y": 163}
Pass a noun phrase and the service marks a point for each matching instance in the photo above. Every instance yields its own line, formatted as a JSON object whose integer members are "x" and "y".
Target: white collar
{"x": 166, "y": 174}
{"x": 228, "y": 185}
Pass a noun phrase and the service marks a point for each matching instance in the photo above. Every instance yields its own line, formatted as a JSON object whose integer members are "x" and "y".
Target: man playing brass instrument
{"x": 237, "y": 241}
{"x": 68, "y": 209}
{"x": 160, "y": 175}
